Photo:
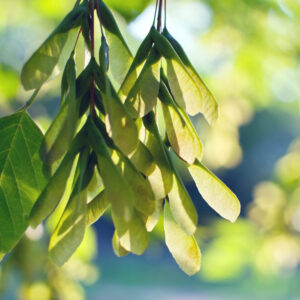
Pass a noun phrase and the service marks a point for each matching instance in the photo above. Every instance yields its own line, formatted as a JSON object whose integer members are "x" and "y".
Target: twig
{"x": 159, "y": 16}
{"x": 31, "y": 100}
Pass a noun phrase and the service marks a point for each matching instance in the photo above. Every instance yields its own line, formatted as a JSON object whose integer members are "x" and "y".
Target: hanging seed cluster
{"x": 107, "y": 131}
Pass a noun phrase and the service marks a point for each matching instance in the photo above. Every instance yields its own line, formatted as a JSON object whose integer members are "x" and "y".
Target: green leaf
{"x": 143, "y": 95}
{"x": 182, "y": 206}
{"x": 118, "y": 48}
{"x": 22, "y": 175}
{"x": 60, "y": 134}
{"x": 152, "y": 220}
{"x": 70, "y": 229}
{"x": 53, "y": 192}
{"x": 183, "y": 86}
{"x": 96, "y": 208}
{"x": 160, "y": 177}
{"x": 209, "y": 103}
{"x": 132, "y": 235}
{"x": 135, "y": 68}
{"x": 54, "y": 52}
{"x": 143, "y": 194}
{"x": 119, "y": 125}
{"x": 183, "y": 248}
{"x": 215, "y": 192}
{"x": 118, "y": 249}
{"x": 181, "y": 134}
{"x": 121, "y": 198}
{"x": 142, "y": 159}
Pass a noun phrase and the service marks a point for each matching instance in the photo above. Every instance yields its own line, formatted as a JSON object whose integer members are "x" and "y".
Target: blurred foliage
{"x": 248, "y": 52}
{"x": 268, "y": 242}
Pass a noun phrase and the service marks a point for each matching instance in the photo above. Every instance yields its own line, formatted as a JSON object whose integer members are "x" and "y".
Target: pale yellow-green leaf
{"x": 119, "y": 193}
{"x": 59, "y": 136}
{"x": 143, "y": 95}
{"x": 132, "y": 235}
{"x": 152, "y": 220}
{"x": 135, "y": 68}
{"x": 182, "y": 207}
{"x": 183, "y": 248}
{"x": 183, "y": 87}
{"x": 209, "y": 107}
{"x": 118, "y": 249}
{"x": 209, "y": 103}
{"x": 53, "y": 192}
{"x": 96, "y": 208}
{"x": 143, "y": 194}
{"x": 118, "y": 67}
{"x": 118, "y": 48}
{"x": 142, "y": 159}
{"x": 70, "y": 230}
{"x": 160, "y": 177}
{"x": 2, "y": 256}
{"x": 180, "y": 135}
{"x": 121, "y": 128}
{"x": 215, "y": 192}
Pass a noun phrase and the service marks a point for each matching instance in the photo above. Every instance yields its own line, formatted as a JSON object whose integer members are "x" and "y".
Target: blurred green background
{"x": 248, "y": 52}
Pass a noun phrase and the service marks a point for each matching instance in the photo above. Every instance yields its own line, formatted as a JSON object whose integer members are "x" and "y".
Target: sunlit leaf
{"x": 152, "y": 220}
{"x": 183, "y": 86}
{"x": 53, "y": 192}
{"x": 142, "y": 159}
{"x": 121, "y": 128}
{"x": 122, "y": 197}
{"x": 181, "y": 134}
{"x": 144, "y": 197}
{"x": 209, "y": 103}
{"x": 215, "y": 192}
{"x": 143, "y": 95}
{"x": 54, "y": 52}
{"x": 59, "y": 136}
{"x": 118, "y": 249}
{"x": 182, "y": 207}
{"x": 160, "y": 177}
{"x": 96, "y": 208}
{"x": 135, "y": 68}
{"x": 132, "y": 235}
{"x": 22, "y": 177}
{"x": 70, "y": 229}
{"x": 117, "y": 45}
{"x": 183, "y": 248}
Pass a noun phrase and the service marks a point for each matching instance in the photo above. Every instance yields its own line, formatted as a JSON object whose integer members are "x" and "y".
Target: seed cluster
{"x": 107, "y": 129}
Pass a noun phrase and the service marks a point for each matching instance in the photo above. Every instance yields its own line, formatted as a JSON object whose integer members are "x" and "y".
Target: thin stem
{"x": 77, "y": 3}
{"x": 92, "y": 8}
{"x": 78, "y": 35}
{"x": 99, "y": 17}
{"x": 159, "y": 15}
{"x": 31, "y": 100}
{"x": 165, "y": 14}
{"x": 92, "y": 84}
{"x": 156, "y": 6}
